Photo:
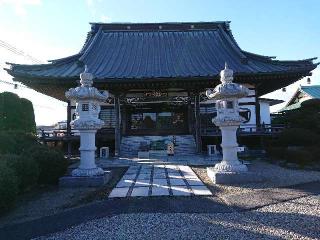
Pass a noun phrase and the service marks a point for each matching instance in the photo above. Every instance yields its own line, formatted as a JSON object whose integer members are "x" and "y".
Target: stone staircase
{"x": 185, "y": 144}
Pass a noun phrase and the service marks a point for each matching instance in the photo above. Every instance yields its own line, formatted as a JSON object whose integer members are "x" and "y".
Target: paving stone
{"x": 142, "y": 183}
{"x": 191, "y": 176}
{"x": 159, "y": 176}
{"x": 186, "y": 171}
{"x": 119, "y": 192}
{"x": 177, "y": 174}
{"x": 129, "y": 176}
{"x": 194, "y": 182}
{"x": 180, "y": 191}
{"x": 200, "y": 190}
{"x": 159, "y": 166}
{"x": 177, "y": 182}
{"x": 171, "y": 167}
{"x": 177, "y": 177}
{"x": 140, "y": 191}
{"x": 160, "y": 191}
{"x": 159, "y": 170}
{"x": 125, "y": 183}
{"x": 132, "y": 172}
{"x": 160, "y": 182}
{"x": 144, "y": 176}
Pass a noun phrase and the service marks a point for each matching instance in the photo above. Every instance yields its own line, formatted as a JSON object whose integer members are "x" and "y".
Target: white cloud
{"x": 20, "y": 6}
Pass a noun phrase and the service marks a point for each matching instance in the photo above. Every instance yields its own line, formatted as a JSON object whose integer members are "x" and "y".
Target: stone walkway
{"x": 159, "y": 180}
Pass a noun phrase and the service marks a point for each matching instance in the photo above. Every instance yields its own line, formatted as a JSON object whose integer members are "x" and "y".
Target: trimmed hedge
{"x": 52, "y": 164}
{"x": 16, "y": 114}
{"x": 297, "y": 137}
{"x": 25, "y": 168}
{"x": 16, "y": 142}
{"x": 8, "y": 187}
{"x": 299, "y": 156}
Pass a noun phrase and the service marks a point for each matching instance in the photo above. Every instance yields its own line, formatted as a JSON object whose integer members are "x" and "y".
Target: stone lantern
{"x": 88, "y": 101}
{"x": 228, "y": 119}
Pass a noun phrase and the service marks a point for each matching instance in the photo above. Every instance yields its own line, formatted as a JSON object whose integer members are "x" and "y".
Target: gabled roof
{"x": 124, "y": 52}
{"x": 312, "y": 91}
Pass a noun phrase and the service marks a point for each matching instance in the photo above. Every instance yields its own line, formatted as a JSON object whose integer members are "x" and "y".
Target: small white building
{"x": 302, "y": 94}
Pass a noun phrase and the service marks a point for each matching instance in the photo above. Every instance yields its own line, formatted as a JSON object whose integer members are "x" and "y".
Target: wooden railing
{"x": 266, "y": 129}
{"x": 61, "y": 134}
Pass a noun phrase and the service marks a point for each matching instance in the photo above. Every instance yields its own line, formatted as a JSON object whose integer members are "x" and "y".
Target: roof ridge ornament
{"x": 86, "y": 77}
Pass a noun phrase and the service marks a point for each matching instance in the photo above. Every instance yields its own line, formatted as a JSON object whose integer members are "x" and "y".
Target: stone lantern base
{"x": 85, "y": 181}
{"x": 222, "y": 177}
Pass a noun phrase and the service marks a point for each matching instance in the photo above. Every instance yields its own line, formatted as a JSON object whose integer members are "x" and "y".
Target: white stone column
{"x": 87, "y": 149}
{"x": 230, "y": 162}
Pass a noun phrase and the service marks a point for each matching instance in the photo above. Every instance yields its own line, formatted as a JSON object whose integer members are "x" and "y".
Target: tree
{"x": 305, "y": 117}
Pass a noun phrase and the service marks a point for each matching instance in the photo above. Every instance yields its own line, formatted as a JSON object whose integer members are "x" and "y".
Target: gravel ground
{"x": 296, "y": 219}
{"x": 53, "y": 200}
{"x": 275, "y": 176}
{"x": 44, "y": 203}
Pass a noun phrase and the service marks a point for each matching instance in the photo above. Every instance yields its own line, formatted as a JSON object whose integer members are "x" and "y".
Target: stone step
{"x": 130, "y": 144}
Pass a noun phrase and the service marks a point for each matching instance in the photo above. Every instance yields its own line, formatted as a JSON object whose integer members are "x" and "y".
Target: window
{"x": 108, "y": 116}
{"x": 85, "y": 107}
{"x": 94, "y": 107}
{"x": 229, "y": 104}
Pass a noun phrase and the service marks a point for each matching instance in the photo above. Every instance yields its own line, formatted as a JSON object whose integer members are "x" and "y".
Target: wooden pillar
{"x": 190, "y": 118}
{"x": 124, "y": 119}
{"x": 257, "y": 107}
{"x": 69, "y": 129}
{"x": 197, "y": 122}
{"x": 117, "y": 133}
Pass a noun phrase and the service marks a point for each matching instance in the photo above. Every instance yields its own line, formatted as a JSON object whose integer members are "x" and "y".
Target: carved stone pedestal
{"x": 218, "y": 177}
{"x": 85, "y": 181}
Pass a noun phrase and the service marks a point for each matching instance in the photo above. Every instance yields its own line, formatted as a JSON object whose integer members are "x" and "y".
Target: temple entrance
{"x": 157, "y": 119}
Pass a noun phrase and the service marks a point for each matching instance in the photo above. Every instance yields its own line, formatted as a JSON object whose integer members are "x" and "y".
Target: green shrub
{"x": 298, "y": 156}
{"x": 275, "y": 152}
{"x": 297, "y": 137}
{"x": 8, "y": 187}
{"x": 52, "y": 164}
{"x": 315, "y": 152}
{"x": 16, "y": 114}
{"x": 16, "y": 142}
{"x": 29, "y": 125}
{"x": 26, "y": 169}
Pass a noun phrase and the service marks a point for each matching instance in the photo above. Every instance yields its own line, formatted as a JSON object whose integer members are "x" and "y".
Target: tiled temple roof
{"x": 139, "y": 52}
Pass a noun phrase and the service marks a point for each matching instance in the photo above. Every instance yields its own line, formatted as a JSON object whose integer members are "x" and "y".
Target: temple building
{"x": 157, "y": 74}
{"x": 303, "y": 93}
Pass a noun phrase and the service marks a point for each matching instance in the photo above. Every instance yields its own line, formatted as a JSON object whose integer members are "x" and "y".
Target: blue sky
{"x": 49, "y": 29}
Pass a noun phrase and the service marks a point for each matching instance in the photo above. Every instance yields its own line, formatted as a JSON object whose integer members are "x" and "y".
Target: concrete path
{"x": 159, "y": 180}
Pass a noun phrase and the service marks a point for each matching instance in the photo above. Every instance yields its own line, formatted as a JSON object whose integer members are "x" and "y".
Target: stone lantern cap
{"x": 227, "y": 89}
{"x": 86, "y": 91}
